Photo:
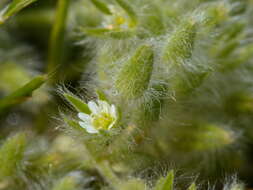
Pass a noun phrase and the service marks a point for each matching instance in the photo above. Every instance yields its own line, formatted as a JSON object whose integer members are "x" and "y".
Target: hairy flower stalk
{"x": 133, "y": 79}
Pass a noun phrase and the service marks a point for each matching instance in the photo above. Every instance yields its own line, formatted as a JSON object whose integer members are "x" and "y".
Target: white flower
{"x": 103, "y": 116}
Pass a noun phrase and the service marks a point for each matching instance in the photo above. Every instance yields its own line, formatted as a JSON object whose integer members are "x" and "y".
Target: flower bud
{"x": 133, "y": 79}
{"x": 180, "y": 44}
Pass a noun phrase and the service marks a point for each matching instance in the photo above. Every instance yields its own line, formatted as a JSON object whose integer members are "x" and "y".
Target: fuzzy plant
{"x": 153, "y": 94}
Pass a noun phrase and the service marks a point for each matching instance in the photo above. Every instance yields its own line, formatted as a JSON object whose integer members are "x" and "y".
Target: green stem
{"x": 57, "y": 36}
{"x": 104, "y": 169}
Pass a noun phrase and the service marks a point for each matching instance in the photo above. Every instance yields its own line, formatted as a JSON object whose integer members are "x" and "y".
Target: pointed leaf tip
{"x": 101, "y": 6}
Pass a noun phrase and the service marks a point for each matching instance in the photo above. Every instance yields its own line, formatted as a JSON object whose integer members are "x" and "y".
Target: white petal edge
{"x": 93, "y": 107}
{"x": 89, "y": 128}
{"x": 104, "y": 106}
{"x": 112, "y": 124}
{"x": 84, "y": 117}
{"x": 113, "y": 111}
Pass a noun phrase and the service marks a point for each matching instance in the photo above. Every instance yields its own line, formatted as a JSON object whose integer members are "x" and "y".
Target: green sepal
{"x": 78, "y": 104}
{"x": 101, "y": 95}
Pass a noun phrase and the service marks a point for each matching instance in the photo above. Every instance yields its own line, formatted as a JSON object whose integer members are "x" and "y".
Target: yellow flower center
{"x": 102, "y": 121}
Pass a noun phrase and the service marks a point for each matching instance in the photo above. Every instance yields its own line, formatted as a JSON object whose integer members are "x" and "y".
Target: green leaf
{"x": 101, "y": 6}
{"x": 192, "y": 187}
{"x": 11, "y": 154}
{"x": 78, "y": 104}
{"x": 14, "y": 7}
{"x": 22, "y": 93}
{"x": 165, "y": 183}
{"x": 121, "y": 34}
{"x": 112, "y": 33}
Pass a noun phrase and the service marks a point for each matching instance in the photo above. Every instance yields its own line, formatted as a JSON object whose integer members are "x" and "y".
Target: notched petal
{"x": 93, "y": 107}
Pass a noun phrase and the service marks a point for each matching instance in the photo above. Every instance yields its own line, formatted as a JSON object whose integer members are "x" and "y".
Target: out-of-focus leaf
{"x": 57, "y": 36}
{"x": 11, "y": 154}
{"x": 101, "y": 6}
{"x": 22, "y": 93}
{"x": 14, "y": 7}
{"x": 105, "y": 32}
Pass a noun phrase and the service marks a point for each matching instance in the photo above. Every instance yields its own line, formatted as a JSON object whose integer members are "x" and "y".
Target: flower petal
{"x": 89, "y": 128}
{"x": 84, "y": 117}
{"x": 113, "y": 111}
{"x": 104, "y": 106}
{"x": 93, "y": 107}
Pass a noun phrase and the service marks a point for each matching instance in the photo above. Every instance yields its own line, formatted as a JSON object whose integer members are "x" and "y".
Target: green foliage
{"x": 57, "y": 36}
{"x": 11, "y": 155}
{"x": 101, "y": 6}
{"x": 19, "y": 76}
{"x": 181, "y": 43}
{"x": 22, "y": 93}
{"x": 78, "y": 104}
{"x": 168, "y": 83}
{"x": 127, "y": 7}
{"x": 12, "y": 8}
{"x": 135, "y": 75}
{"x": 133, "y": 184}
{"x": 205, "y": 137}
{"x": 165, "y": 183}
